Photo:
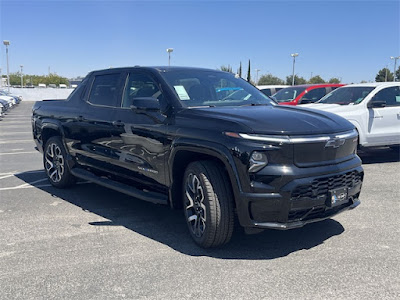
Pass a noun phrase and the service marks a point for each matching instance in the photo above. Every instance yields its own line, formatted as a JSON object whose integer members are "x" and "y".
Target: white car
{"x": 373, "y": 108}
{"x": 271, "y": 89}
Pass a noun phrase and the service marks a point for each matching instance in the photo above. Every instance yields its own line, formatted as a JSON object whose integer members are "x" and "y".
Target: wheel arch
{"x": 182, "y": 156}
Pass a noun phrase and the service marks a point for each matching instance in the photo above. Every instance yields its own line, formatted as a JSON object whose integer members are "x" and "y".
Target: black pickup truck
{"x": 203, "y": 141}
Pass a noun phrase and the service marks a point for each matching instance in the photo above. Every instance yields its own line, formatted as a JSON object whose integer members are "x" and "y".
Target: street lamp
{"x": 395, "y": 62}
{"x": 169, "y": 50}
{"x": 294, "y": 55}
{"x": 7, "y": 43}
{"x": 257, "y": 70}
{"x": 22, "y": 77}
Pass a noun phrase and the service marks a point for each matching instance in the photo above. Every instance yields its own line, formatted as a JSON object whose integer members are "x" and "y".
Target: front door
{"x": 384, "y": 122}
{"x": 139, "y": 140}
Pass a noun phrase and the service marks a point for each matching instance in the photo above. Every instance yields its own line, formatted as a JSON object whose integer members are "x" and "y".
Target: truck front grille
{"x": 322, "y": 186}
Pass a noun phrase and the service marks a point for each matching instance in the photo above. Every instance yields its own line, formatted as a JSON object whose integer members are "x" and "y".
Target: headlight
{"x": 258, "y": 160}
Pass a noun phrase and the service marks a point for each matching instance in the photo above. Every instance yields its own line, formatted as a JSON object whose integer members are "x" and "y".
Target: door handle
{"x": 118, "y": 123}
{"x": 79, "y": 118}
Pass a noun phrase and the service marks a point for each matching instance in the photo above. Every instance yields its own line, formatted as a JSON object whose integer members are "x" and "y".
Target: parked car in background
{"x": 16, "y": 99}
{"x": 2, "y": 109}
{"x": 42, "y": 85}
{"x": 6, "y": 102}
{"x": 304, "y": 94}
{"x": 373, "y": 108}
{"x": 271, "y": 89}
{"x": 62, "y": 86}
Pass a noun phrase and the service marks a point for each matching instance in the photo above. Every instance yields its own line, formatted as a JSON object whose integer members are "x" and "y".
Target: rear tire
{"x": 208, "y": 204}
{"x": 55, "y": 164}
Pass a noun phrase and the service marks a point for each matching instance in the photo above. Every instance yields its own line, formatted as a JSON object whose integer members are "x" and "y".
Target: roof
{"x": 375, "y": 84}
{"x": 159, "y": 68}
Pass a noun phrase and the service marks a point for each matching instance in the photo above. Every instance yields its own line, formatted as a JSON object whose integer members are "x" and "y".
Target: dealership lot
{"x": 89, "y": 242}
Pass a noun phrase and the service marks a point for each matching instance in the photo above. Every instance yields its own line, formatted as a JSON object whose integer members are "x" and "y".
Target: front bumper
{"x": 301, "y": 201}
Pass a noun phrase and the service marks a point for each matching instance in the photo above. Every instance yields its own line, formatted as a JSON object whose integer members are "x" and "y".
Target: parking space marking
{"x": 12, "y": 133}
{"x": 29, "y": 185}
{"x": 18, "y": 173}
{"x": 15, "y": 141}
{"x": 25, "y": 152}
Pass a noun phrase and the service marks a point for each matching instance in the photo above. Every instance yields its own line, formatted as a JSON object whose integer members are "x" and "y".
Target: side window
{"x": 266, "y": 92}
{"x": 313, "y": 95}
{"x": 104, "y": 90}
{"x": 140, "y": 85}
{"x": 390, "y": 95}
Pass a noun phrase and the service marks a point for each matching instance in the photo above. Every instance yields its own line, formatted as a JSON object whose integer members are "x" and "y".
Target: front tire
{"x": 55, "y": 165}
{"x": 208, "y": 204}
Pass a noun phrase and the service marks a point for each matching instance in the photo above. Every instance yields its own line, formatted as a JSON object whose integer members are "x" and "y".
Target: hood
{"x": 334, "y": 108}
{"x": 7, "y": 98}
{"x": 266, "y": 120}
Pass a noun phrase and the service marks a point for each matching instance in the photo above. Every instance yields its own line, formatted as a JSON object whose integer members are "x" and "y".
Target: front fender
{"x": 203, "y": 149}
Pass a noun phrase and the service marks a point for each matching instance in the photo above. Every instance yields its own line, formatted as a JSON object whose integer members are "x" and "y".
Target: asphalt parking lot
{"x": 89, "y": 242}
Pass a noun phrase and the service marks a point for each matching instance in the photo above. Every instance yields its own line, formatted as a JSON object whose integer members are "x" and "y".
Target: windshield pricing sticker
{"x": 181, "y": 91}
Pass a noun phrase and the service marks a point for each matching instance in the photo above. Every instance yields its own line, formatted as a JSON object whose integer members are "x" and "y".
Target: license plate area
{"x": 337, "y": 197}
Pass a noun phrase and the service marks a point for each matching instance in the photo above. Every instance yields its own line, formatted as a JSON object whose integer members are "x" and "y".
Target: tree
{"x": 384, "y": 75}
{"x": 316, "y": 79}
{"x": 398, "y": 74}
{"x": 240, "y": 70}
{"x": 226, "y": 68}
{"x": 269, "y": 79}
{"x": 248, "y": 73}
{"x": 15, "y": 79}
{"x": 297, "y": 80}
{"x": 334, "y": 80}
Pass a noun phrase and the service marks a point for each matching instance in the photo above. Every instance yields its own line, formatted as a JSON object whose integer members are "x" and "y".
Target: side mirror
{"x": 376, "y": 104}
{"x": 144, "y": 104}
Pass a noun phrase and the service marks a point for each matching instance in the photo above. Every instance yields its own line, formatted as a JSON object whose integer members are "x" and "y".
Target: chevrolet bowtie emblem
{"x": 335, "y": 143}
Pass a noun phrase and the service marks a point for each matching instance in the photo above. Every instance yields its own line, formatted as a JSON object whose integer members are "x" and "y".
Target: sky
{"x": 350, "y": 40}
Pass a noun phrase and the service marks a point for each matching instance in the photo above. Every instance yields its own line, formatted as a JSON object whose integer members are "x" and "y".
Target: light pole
{"x": 7, "y": 43}
{"x": 395, "y": 62}
{"x": 257, "y": 70}
{"x": 169, "y": 50}
{"x": 1, "y": 79}
{"x": 22, "y": 77}
{"x": 294, "y": 55}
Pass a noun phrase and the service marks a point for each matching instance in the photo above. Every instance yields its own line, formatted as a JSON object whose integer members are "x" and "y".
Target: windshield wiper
{"x": 255, "y": 104}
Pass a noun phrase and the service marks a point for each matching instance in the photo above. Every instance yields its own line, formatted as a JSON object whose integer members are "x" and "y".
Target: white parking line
{"x": 15, "y": 141}
{"x": 29, "y": 185}
{"x": 12, "y": 133}
{"x": 18, "y": 173}
{"x": 12, "y": 153}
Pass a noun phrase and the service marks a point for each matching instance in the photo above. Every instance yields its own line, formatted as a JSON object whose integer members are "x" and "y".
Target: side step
{"x": 156, "y": 198}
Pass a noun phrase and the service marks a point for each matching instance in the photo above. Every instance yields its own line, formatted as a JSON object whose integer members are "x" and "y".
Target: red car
{"x": 303, "y": 94}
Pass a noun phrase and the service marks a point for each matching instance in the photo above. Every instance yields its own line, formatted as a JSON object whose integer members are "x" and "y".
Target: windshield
{"x": 346, "y": 95}
{"x": 213, "y": 88}
{"x": 288, "y": 94}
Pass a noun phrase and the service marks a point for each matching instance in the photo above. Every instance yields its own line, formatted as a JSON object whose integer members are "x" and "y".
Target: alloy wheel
{"x": 195, "y": 208}
{"x": 54, "y": 162}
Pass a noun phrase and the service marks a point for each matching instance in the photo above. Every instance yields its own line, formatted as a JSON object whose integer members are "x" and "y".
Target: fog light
{"x": 258, "y": 160}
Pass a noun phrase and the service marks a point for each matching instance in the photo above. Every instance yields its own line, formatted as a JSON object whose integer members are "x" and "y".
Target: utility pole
{"x": 294, "y": 55}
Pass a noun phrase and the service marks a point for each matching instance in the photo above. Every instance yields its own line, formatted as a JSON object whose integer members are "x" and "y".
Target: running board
{"x": 153, "y": 197}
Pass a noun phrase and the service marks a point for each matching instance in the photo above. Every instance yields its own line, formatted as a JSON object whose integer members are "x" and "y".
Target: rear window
{"x": 104, "y": 90}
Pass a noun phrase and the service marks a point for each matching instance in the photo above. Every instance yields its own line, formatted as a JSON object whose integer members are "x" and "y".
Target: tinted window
{"x": 288, "y": 94}
{"x": 313, "y": 95}
{"x": 390, "y": 95}
{"x": 213, "y": 88}
{"x": 105, "y": 90}
{"x": 266, "y": 92}
{"x": 139, "y": 86}
{"x": 346, "y": 95}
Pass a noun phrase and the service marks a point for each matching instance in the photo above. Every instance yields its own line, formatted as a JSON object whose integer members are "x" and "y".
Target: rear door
{"x": 384, "y": 122}
{"x": 97, "y": 120}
